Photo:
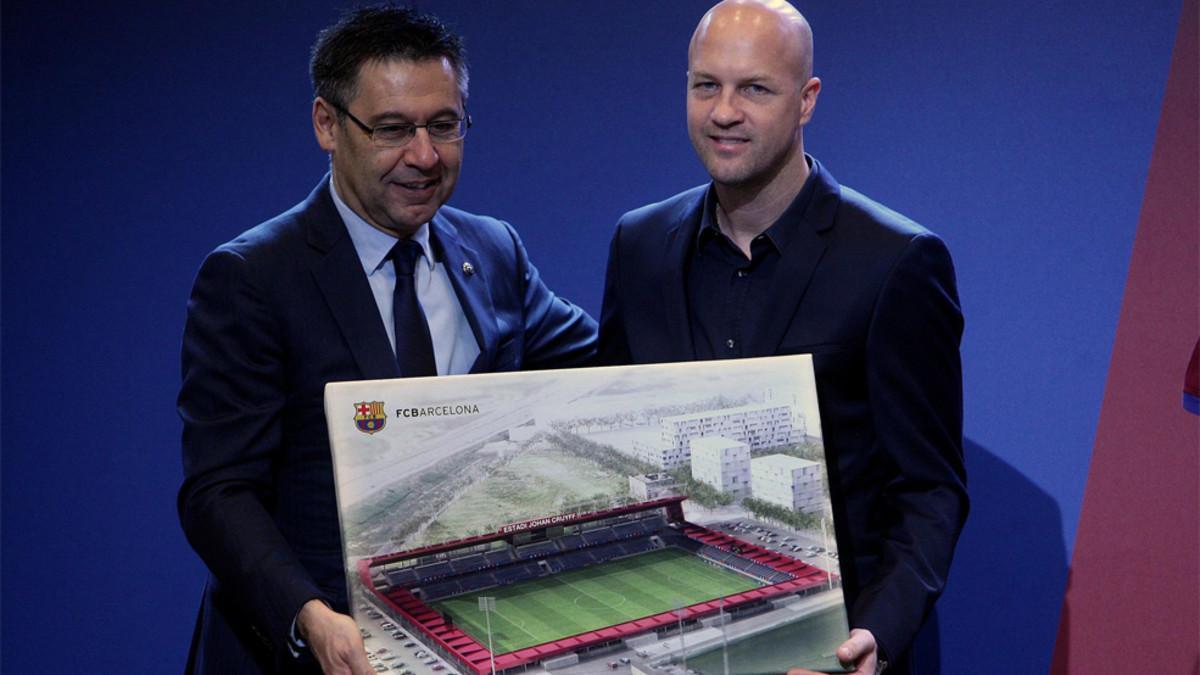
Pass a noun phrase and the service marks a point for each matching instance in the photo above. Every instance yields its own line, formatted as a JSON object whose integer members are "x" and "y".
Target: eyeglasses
{"x": 397, "y": 134}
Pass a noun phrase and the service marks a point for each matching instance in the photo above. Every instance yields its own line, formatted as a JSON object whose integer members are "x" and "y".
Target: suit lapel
{"x": 796, "y": 268}
{"x": 338, "y": 272}
{"x": 680, "y": 240}
{"x": 469, "y": 276}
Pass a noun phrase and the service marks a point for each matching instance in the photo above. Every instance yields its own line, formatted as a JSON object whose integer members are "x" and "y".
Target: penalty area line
{"x": 514, "y": 624}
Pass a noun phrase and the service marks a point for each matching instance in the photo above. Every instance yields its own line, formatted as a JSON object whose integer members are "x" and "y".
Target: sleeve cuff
{"x": 296, "y": 645}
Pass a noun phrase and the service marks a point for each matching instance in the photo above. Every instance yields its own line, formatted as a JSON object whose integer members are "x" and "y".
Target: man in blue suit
{"x": 774, "y": 257}
{"x": 371, "y": 276}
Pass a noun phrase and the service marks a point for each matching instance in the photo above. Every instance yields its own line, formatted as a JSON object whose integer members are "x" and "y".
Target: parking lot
{"x": 390, "y": 649}
{"x": 781, "y": 540}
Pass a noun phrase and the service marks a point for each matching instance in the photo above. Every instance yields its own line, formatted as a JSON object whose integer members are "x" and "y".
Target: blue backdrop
{"x": 138, "y": 136}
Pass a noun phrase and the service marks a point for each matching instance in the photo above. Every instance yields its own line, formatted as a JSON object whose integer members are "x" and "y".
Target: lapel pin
{"x": 468, "y": 269}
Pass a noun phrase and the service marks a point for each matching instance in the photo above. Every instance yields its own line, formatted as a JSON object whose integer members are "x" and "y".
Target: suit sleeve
{"x": 231, "y": 402}
{"x": 557, "y": 334}
{"x": 614, "y": 345}
{"x": 914, "y": 376}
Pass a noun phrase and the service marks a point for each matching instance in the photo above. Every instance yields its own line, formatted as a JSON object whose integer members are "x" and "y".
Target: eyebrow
{"x": 393, "y": 117}
{"x": 753, "y": 79}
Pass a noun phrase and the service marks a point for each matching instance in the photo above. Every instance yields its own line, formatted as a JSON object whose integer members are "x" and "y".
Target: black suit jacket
{"x": 871, "y": 295}
{"x": 274, "y": 315}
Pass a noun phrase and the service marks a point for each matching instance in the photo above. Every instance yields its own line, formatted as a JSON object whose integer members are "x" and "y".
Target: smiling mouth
{"x": 728, "y": 140}
{"x": 418, "y": 185}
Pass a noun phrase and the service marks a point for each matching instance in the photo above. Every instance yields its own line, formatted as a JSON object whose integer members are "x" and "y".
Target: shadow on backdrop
{"x": 1010, "y": 559}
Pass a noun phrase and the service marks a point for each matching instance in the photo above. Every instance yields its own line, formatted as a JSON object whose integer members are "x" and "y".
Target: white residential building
{"x": 722, "y": 463}
{"x": 788, "y": 481}
{"x": 763, "y": 425}
{"x": 759, "y": 426}
{"x": 653, "y": 451}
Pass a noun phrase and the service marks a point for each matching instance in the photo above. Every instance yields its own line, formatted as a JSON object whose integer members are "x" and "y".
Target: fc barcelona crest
{"x": 369, "y": 416}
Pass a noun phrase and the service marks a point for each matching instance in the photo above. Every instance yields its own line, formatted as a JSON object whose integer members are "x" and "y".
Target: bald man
{"x": 773, "y": 256}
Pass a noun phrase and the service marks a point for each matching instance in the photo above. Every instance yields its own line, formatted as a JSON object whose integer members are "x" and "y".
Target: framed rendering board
{"x": 650, "y": 519}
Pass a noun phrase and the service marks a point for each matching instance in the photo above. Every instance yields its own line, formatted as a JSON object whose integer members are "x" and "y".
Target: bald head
{"x": 750, "y": 94}
{"x": 765, "y": 23}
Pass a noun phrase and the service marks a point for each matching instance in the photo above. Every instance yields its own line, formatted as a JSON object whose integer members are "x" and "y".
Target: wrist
{"x": 311, "y": 614}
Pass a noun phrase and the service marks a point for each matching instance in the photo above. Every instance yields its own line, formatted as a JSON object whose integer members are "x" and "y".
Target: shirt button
{"x": 730, "y": 343}
{"x": 741, "y": 273}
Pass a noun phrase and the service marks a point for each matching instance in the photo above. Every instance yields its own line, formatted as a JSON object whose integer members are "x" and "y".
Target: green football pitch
{"x": 540, "y": 610}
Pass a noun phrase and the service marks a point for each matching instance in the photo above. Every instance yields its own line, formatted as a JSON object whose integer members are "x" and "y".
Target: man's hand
{"x": 333, "y": 639}
{"x": 860, "y": 651}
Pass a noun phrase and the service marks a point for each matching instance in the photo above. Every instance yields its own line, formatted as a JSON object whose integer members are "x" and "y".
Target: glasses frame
{"x": 370, "y": 131}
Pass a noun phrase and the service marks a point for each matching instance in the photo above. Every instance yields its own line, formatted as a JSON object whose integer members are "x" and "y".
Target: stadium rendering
{"x": 560, "y": 588}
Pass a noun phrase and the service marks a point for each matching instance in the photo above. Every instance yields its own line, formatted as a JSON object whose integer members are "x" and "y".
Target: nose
{"x": 725, "y": 111}
{"x": 420, "y": 152}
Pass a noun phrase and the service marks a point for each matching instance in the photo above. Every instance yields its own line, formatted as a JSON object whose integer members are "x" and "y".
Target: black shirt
{"x": 728, "y": 295}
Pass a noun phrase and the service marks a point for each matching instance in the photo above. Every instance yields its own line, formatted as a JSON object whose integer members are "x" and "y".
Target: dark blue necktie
{"x": 414, "y": 346}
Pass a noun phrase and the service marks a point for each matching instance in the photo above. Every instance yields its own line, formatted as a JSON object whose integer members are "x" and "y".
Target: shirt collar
{"x": 372, "y": 244}
{"x": 780, "y": 232}
{"x": 708, "y": 219}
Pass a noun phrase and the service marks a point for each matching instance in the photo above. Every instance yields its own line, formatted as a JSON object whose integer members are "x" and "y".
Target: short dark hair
{"x": 380, "y": 33}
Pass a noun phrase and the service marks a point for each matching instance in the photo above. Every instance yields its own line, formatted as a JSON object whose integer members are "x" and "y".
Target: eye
{"x": 756, "y": 89}
{"x": 444, "y": 128}
{"x": 704, "y": 86}
{"x": 394, "y": 132}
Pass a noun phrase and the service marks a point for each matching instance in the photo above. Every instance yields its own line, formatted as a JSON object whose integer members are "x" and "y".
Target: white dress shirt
{"x": 454, "y": 345}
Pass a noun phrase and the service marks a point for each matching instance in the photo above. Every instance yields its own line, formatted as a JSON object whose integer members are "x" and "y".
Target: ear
{"x": 808, "y": 99}
{"x": 324, "y": 119}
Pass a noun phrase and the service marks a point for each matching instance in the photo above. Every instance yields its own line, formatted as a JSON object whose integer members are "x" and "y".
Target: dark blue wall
{"x": 135, "y": 139}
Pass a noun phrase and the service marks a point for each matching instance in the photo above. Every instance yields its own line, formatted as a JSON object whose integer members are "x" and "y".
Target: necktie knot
{"x": 405, "y": 255}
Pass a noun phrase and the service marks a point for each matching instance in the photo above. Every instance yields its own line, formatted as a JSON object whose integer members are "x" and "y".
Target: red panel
{"x": 1141, "y": 507}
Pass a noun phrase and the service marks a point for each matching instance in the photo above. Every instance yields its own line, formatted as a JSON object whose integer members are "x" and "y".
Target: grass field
{"x": 540, "y": 610}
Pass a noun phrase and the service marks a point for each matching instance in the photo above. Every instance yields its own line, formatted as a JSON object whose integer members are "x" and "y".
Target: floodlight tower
{"x": 679, "y": 614}
{"x": 724, "y": 636}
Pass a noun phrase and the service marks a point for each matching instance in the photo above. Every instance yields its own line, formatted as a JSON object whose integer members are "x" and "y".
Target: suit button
{"x": 730, "y": 343}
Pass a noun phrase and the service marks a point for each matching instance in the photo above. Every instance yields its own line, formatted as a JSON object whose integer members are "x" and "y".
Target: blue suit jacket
{"x": 871, "y": 295}
{"x": 274, "y": 315}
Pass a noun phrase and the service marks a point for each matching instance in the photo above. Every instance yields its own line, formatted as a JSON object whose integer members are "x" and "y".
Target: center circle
{"x": 600, "y": 599}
